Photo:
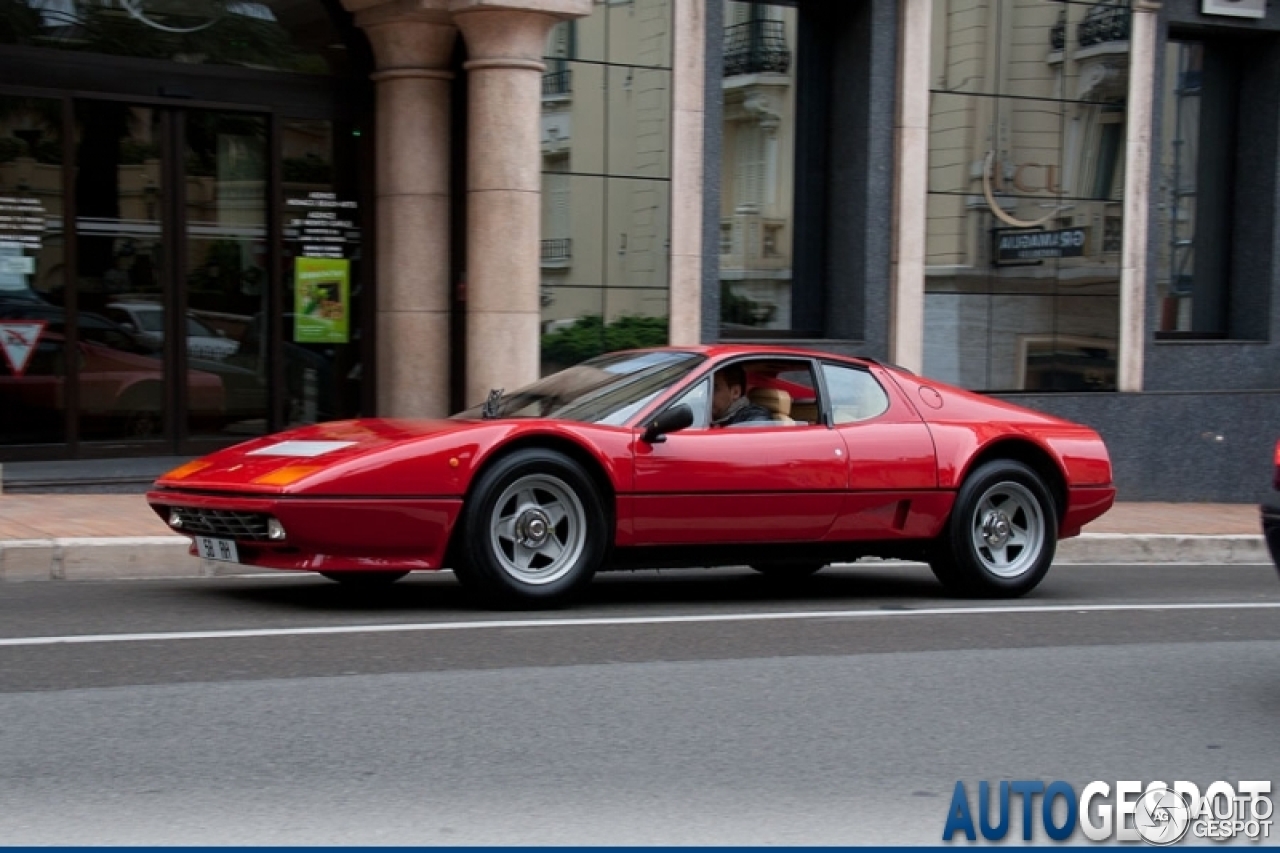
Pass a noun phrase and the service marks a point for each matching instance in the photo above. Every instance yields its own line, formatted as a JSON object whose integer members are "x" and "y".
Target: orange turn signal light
{"x": 287, "y": 475}
{"x": 186, "y": 470}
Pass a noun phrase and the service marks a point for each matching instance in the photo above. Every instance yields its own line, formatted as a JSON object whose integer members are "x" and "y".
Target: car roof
{"x": 721, "y": 351}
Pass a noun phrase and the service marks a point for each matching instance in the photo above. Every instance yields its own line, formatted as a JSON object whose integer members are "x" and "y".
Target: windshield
{"x": 608, "y": 389}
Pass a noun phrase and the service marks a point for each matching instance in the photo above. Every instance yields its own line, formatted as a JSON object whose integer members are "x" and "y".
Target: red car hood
{"x": 318, "y": 454}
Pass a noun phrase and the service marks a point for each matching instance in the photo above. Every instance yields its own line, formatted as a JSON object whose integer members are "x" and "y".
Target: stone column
{"x": 412, "y": 45}
{"x": 911, "y": 187}
{"x": 1137, "y": 194}
{"x": 688, "y": 120}
{"x": 505, "y": 44}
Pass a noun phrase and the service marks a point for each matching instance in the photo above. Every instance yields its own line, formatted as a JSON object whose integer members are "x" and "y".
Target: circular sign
{"x": 176, "y": 16}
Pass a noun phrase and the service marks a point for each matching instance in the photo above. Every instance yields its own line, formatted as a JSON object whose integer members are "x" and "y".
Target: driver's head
{"x": 730, "y": 384}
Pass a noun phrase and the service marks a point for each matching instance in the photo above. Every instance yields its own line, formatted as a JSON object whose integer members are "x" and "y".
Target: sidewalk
{"x": 88, "y": 536}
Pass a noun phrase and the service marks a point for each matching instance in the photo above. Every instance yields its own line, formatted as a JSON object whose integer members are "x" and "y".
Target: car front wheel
{"x": 1002, "y": 534}
{"x": 534, "y": 530}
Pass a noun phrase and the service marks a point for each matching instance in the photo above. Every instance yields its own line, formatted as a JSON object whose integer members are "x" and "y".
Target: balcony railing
{"x": 756, "y": 47}
{"x": 1107, "y": 21}
{"x": 557, "y": 82}
{"x": 557, "y": 249}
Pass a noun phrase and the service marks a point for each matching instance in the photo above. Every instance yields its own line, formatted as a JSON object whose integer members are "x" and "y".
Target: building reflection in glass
{"x": 606, "y": 200}
{"x": 1026, "y": 181}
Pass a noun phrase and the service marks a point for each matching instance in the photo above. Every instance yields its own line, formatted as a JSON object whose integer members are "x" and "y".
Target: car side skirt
{"x": 712, "y": 556}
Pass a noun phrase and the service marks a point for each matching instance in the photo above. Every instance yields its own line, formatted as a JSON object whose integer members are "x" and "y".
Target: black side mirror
{"x": 675, "y": 418}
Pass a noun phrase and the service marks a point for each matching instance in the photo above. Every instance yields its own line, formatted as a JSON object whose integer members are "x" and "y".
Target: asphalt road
{"x": 665, "y": 708}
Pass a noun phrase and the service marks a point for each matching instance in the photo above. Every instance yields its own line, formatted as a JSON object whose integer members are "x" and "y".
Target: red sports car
{"x": 1271, "y": 512}
{"x": 778, "y": 458}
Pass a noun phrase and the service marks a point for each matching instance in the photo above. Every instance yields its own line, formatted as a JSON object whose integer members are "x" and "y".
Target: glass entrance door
{"x": 224, "y": 257}
{"x": 174, "y": 278}
{"x": 171, "y": 213}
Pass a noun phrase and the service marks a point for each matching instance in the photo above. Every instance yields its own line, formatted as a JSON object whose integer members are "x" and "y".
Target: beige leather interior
{"x": 805, "y": 412}
{"x": 777, "y": 401}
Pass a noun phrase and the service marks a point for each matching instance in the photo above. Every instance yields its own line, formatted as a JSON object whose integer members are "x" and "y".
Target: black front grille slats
{"x": 223, "y": 523}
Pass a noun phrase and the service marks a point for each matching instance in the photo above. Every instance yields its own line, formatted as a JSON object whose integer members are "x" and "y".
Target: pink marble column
{"x": 505, "y": 44}
{"x": 413, "y": 46}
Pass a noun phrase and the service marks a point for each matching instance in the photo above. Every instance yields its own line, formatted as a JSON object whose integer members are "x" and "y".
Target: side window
{"x": 855, "y": 394}
{"x": 697, "y": 398}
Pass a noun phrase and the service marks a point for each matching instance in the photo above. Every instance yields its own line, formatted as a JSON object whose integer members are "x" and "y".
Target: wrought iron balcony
{"x": 756, "y": 47}
{"x": 1058, "y": 32}
{"x": 1106, "y": 21}
{"x": 557, "y": 249}
{"x": 557, "y": 82}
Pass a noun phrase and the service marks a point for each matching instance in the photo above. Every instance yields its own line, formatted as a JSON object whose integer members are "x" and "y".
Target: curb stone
{"x": 154, "y": 557}
{"x": 107, "y": 558}
{"x": 1117, "y": 548}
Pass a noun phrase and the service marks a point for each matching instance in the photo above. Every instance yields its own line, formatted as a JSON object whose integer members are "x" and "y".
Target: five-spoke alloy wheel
{"x": 534, "y": 529}
{"x": 1002, "y": 534}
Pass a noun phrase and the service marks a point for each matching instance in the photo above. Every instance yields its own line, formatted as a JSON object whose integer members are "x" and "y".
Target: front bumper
{"x": 1271, "y": 530}
{"x": 332, "y": 534}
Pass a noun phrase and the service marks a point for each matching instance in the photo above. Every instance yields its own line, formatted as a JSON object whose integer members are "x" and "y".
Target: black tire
{"x": 141, "y": 425}
{"x": 788, "y": 571}
{"x": 1002, "y": 534}
{"x": 140, "y": 412}
{"x": 365, "y": 579}
{"x": 534, "y": 530}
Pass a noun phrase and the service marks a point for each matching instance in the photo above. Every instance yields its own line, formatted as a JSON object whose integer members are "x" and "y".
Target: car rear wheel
{"x": 1002, "y": 534}
{"x": 365, "y": 579}
{"x": 534, "y": 530}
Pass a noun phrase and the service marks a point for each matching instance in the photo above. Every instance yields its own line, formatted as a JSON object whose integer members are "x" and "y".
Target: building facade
{"x": 223, "y": 217}
{"x": 1081, "y": 201}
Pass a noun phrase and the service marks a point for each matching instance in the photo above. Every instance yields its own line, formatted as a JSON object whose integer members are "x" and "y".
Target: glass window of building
{"x": 758, "y": 168}
{"x": 1026, "y": 185}
{"x": 175, "y": 277}
{"x": 283, "y": 35}
{"x": 1197, "y": 196}
{"x": 34, "y": 350}
{"x": 606, "y": 182}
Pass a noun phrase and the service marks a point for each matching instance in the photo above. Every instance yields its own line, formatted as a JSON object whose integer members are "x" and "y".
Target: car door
{"x": 765, "y": 483}
{"x": 893, "y": 469}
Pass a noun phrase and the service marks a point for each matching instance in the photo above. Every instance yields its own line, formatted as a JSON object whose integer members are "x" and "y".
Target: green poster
{"x": 322, "y": 300}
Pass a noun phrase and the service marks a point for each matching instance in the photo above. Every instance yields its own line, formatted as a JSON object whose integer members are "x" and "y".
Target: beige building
{"x": 394, "y": 207}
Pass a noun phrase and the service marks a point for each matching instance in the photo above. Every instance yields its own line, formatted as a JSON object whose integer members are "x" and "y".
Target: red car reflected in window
{"x": 121, "y": 393}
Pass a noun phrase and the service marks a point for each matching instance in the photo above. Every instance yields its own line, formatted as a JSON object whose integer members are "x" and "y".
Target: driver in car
{"x": 729, "y": 403}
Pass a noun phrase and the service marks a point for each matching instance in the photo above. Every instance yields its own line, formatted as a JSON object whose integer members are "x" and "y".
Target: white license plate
{"x": 223, "y": 550}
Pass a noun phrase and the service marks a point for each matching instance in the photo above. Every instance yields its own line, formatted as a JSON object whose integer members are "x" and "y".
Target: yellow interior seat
{"x": 777, "y": 401}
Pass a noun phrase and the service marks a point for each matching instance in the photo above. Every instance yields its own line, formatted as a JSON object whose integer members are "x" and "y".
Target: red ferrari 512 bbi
{"x": 781, "y": 459}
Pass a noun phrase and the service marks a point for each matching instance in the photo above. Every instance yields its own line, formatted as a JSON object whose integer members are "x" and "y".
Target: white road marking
{"x": 591, "y": 622}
